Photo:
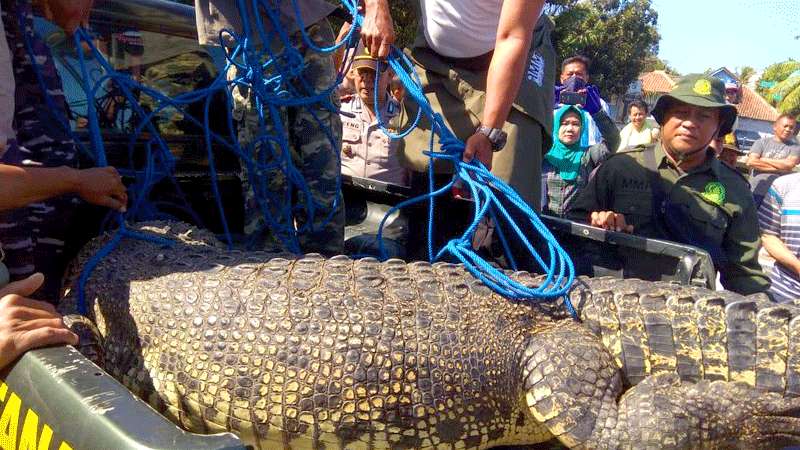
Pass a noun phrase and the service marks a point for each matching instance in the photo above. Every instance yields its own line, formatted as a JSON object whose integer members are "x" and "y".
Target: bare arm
{"x": 756, "y": 162}
{"x": 513, "y": 41}
{"x": 20, "y": 186}
{"x": 782, "y": 165}
{"x": 778, "y": 250}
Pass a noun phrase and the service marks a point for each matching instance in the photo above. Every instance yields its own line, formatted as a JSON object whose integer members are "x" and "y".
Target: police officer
{"x": 676, "y": 189}
{"x": 367, "y": 151}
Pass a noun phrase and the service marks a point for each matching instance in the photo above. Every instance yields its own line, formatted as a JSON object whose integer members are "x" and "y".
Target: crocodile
{"x": 309, "y": 352}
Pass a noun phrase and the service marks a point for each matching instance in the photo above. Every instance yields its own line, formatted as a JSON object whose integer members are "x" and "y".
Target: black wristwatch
{"x": 495, "y": 135}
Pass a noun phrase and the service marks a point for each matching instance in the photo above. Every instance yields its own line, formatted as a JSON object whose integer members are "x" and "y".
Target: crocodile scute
{"x": 316, "y": 352}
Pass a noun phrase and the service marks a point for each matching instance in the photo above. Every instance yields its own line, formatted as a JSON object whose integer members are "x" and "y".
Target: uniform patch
{"x": 714, "y": 192}
{"x": 702, "y": 87}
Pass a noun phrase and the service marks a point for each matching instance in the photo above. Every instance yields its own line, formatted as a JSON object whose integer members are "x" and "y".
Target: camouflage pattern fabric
{"x": 174, "y": 76}
{"x": 33, "y": 237}
{"x": 312, "y": 153}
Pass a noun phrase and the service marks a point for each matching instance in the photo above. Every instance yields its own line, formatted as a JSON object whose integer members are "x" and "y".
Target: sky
{"x": 701, "y": 34}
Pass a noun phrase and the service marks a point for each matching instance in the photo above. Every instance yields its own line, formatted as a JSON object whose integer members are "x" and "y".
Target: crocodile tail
{"x": 699, "y": 334}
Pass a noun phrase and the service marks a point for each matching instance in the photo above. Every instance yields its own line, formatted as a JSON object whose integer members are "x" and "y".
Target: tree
{"x": 745, "y": 73}
{"x": 653, "y": 62}
{"x": 780, "y": 86}
{"x": 618, "y": 35}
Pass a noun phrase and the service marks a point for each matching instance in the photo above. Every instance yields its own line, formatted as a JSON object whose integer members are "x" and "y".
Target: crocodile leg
{"x": 574, "y": 387}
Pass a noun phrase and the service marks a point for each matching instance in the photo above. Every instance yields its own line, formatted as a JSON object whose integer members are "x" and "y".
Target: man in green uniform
{"x": 677, "y": 190}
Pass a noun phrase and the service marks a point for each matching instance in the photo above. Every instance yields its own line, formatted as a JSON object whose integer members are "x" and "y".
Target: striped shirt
{"x": 779, "y": 215}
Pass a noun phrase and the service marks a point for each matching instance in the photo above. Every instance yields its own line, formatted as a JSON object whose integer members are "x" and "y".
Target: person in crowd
{"x": 676, "y": 189}
{"x": 397, "y": 89}
{"x": 729, "y": 151}
{"x": 773, "y": 156}
{"x": 571, "y": 160}
{"x": 639, "y": 131}
{"x": 367, "y": 151}
{"x": 314, "y": 148}
{"x": 779, "y": 218}
{"x": 488, "y": 68}
{"x": 575, "y": 76}
{"x": 39, "y": 160}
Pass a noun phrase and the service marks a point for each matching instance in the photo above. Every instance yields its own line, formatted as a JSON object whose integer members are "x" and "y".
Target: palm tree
{"x": 780, "y": 86}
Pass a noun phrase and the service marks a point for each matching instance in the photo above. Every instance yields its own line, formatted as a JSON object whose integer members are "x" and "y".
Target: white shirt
{"x": 461, "y": 29}
{"x": 367, "y": 152}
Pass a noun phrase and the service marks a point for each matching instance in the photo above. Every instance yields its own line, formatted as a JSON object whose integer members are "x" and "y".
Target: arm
{"x": 608, "y": 130}
{"x": 20, "y": 186}
{"x": 377, "y": 30}
{"x": 781, "y": 165}
{"x": 754, "y": 161}
{"x": 778, "y": 250}
{"x": 26, "y": 324}
{"x": 594, "y": 205}
{"x": 741, "y": 272}
{"x": 513, "y": 41}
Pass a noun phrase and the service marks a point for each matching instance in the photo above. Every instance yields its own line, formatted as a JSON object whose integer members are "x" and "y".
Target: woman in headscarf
{"x": 571, "y": 160}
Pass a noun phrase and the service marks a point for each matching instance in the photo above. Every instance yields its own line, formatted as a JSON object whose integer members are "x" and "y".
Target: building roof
{"x": 657, "y": 81}
{"x": 751, "y": 106}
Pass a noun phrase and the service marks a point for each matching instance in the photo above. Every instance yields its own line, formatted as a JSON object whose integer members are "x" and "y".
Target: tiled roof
{"x": 751, "y": 106}
{"x": 656, "y": 81}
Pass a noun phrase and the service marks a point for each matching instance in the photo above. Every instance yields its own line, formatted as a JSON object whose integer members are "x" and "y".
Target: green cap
{"x": 699, "y": 90}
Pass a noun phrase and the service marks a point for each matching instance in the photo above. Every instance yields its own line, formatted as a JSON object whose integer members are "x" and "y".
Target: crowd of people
{"x": 489, "y": 69}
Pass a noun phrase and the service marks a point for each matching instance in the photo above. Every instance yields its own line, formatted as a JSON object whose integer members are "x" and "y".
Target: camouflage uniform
{"x": 33, "y": 237}
{"x": 175, "y": 76}
{"x": 312, "y": 152}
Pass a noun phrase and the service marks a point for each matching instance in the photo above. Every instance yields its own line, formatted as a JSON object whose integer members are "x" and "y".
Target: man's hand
{"x": 593, "y": 103}
{"x": 68, "y": 14}
{"x": 26, "y": 324}
{"x": 102, "y": 186}
{"x": 377, "y": 30}
{"x": 611, "y": 221}
{"x": 478, "y": 145}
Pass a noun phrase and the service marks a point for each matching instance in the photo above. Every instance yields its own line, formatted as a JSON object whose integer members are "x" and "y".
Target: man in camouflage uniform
{"x": 678, "y": 190}
{"x": 313, "y": 132}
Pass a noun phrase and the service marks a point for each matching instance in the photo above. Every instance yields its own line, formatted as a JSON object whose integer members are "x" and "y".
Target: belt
{"x": 475, "y": 63}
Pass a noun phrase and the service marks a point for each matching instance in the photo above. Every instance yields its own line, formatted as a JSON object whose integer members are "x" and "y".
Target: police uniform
{"x": 367, "y": 151}
{"x": 709, "y": 206}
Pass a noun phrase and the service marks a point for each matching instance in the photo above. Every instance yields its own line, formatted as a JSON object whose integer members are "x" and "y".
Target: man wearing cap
{"x": 728, "y": 151}
{"x": 367, "y": 151}
{"x": 676, "y": 189}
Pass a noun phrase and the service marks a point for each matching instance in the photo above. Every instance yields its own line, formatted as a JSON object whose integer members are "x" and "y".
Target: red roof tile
{"x": 751, "y": 106}
{"x": 656, "y": 81}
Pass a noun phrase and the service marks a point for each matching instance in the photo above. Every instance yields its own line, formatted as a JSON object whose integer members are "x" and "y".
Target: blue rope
{"x": 275, "y": 81}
